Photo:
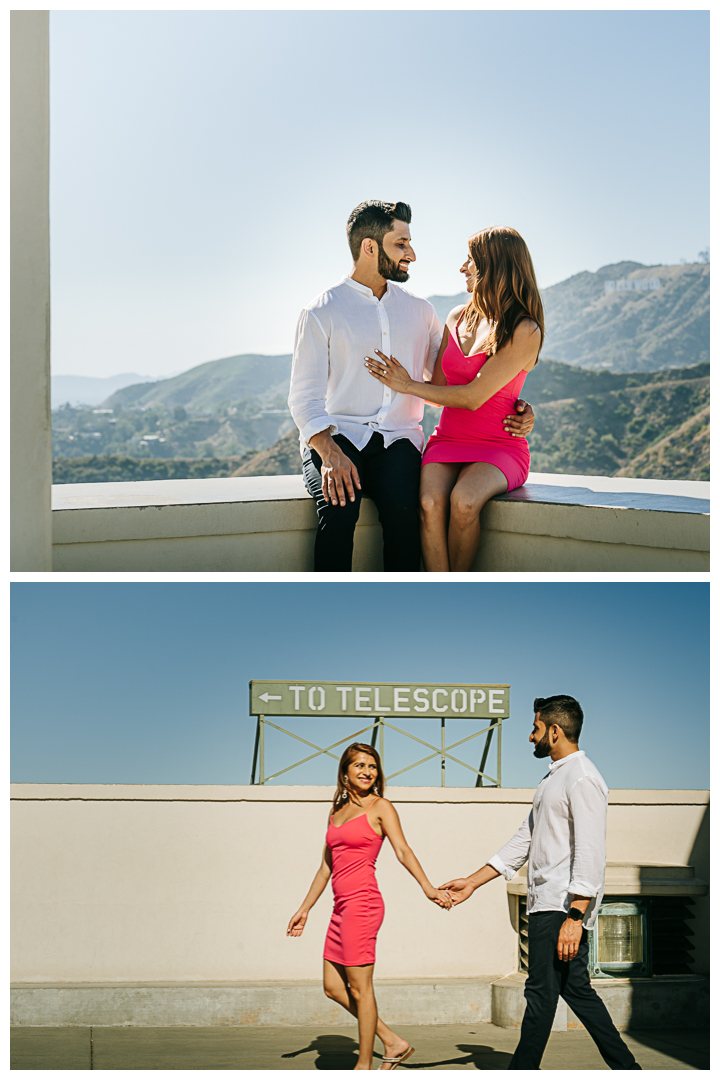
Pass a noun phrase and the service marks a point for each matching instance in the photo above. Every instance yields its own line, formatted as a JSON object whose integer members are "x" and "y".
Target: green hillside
{"x": 632, "y": 328}
{"x": 218, "y": 382}
{"x": 596, "y": 423}
{"x": 588, "y": 422}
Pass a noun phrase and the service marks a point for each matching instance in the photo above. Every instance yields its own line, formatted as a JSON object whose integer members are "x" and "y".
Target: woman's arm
{"x": 390, "y": 822}
{"x": 297, "y": 923}
{"x": 520, "y": 354}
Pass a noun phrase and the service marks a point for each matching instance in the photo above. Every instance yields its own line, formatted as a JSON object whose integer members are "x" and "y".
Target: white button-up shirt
{"x": 562, "y": 839}
{"x": 330, "y": 387}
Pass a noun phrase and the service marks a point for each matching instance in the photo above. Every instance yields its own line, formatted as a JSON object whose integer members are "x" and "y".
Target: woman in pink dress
{"x": 489, "y": 346}
{"x": 360, "y": 819}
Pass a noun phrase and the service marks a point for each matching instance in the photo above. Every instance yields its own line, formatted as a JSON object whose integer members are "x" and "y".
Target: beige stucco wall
{"x": 30, "y": 434}
{"x": 146, "y": 884}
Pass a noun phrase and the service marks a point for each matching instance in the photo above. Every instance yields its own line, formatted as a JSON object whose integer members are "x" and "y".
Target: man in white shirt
{"x": 358, "y": 437}
{"x": 563, "y": 842}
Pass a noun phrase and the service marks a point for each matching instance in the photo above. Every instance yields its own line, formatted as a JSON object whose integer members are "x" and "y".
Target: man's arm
{"x": 307, "y": 398}
{"x": 588, "y": 807}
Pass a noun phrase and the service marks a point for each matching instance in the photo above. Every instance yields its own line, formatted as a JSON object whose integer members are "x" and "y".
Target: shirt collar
{"x": 561, "y": 761}
{"x": 364, "y": 288}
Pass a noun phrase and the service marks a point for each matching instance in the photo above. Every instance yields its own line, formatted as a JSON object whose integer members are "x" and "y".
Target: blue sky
{"x": 147, "y": 682}
{"x": 203, "y": 164}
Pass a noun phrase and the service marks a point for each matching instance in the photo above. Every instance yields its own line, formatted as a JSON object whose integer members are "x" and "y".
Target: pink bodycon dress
{"x": 359, "y": 909}
{"x": 478, "y": 435}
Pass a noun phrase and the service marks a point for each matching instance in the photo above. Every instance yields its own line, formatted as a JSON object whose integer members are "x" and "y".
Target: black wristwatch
{"x": 575, "y": 914}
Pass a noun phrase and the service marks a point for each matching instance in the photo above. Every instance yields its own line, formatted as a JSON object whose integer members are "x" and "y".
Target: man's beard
{"x": 389, "y": 270}
{"x": 542, "y": 749}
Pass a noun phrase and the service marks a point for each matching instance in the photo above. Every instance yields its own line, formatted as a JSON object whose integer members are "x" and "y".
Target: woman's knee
{"x": 359, "y": 992}
{"x": 333, "y": 992}
{"x": 432, "y": 505}
{"x": 465, "y": 507}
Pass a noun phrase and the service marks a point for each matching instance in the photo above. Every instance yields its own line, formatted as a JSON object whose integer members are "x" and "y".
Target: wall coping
{"x": 617, "y": 492}
{"x": 323, "y": 794}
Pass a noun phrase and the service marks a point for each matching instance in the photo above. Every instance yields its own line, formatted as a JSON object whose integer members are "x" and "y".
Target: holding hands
{"x": 458, "y": 889}
{"x": 440, "y": 897}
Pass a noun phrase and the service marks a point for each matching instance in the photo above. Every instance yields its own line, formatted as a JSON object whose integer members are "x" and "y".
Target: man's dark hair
{"x": 561, "y": 710}
{"x": 372, "y": 220}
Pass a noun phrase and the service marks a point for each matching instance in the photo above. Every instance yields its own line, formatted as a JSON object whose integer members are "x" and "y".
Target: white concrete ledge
{"x": 268, "y": 523}
{"x": 301, "y": 1002}
{"x": 309, "y": 793}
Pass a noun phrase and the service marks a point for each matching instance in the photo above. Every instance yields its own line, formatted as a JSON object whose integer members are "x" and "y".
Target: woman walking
{"x": 489, "y": 346}
{"x": 359, "y": 821}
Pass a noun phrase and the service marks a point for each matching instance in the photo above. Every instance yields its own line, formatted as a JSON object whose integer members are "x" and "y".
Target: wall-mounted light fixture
{"x": 620, "y": 941}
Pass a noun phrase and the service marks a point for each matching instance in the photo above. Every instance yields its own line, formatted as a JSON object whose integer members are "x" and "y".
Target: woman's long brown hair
{"x": 347, "y": 757}
{"x": 505, "y": 289}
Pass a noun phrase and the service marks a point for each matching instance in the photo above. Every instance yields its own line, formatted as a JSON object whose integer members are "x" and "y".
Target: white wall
{"x": 161, "y": 883}
{"x": 31, "y": 443}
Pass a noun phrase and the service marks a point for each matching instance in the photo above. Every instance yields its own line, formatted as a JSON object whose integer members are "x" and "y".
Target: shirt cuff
{"x": 583, "y": 888}
{"x": 497, "y": 864}
{"x": 314, "y": 427}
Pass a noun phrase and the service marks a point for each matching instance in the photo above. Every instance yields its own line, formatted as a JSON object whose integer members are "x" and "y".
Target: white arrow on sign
{"x": 270, "y": 697}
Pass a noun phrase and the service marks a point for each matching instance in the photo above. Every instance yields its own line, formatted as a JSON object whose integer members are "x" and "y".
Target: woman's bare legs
{"x": 478, "y": 481}
{"x": 436, "y": 483}
{"x": 352, "y": 988}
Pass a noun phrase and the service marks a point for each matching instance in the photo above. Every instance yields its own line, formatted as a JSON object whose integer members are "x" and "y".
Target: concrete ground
{"x": 451, "y": 1046}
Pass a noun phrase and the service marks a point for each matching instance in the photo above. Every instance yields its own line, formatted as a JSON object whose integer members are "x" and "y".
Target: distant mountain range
{"x": 625, "y": 317}
{"x": 215, "y": 383}
{"x": 87, "y": 390}
{"x": 626, "y": 390}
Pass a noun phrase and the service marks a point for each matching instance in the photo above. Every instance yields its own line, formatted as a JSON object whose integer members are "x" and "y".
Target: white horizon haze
{"x": 203, "y": 164}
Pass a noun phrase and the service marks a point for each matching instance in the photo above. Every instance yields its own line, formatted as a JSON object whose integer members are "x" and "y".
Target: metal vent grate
{"x": 523, "y": 936}
{"x": 670, "y": 934}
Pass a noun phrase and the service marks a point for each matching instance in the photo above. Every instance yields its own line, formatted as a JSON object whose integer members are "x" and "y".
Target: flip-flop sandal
{"x": 398, "y": 1060}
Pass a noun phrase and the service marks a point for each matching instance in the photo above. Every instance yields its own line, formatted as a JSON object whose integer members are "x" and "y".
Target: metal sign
{"x": 479, "y": 701}
{"x": 377, "y": 704}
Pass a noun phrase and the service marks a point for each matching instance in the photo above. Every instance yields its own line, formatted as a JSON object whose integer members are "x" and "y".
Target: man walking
{"x": 358, "y": 437}
{"x": 563, "y": 842}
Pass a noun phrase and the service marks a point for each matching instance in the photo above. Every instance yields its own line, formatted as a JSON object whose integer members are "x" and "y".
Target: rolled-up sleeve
{"x": 514, "y": 854}
{"x": 435, "y": 338}
{"x": 309, "y": 378}
{"x": 588, "y": 807}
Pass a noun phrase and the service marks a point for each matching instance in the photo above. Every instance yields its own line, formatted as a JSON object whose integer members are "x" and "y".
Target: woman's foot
{"x": 395, "y": 1050}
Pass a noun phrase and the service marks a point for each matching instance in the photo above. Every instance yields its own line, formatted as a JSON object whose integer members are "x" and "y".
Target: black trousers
{"x": 550, "y": 978}
{"x": 391, "y": 478}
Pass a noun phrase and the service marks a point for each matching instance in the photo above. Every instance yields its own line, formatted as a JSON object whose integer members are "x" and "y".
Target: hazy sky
{"x": 203, "y": 164}
{"x": 148, "y": 682}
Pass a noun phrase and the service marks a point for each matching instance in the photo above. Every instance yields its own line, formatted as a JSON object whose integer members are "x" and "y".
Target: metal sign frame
{"x": 377, "y": 739}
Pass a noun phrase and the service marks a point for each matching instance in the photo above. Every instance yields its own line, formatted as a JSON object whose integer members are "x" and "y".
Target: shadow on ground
{"x": 333, "y": 1052}
{"x": 479, "y": 1056}
{"x": 692, "y": 1047}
